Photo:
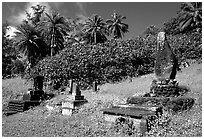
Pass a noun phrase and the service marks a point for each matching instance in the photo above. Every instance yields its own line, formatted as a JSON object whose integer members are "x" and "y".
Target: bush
{"x": 113, "y": 60}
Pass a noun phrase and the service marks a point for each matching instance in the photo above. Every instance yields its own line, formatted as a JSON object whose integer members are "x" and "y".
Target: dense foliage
{"x": 114, "y": 60}
{"x": 58, "y": 32}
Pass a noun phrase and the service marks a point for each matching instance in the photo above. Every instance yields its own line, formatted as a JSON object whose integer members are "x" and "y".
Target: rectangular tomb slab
{"x": 15, "y": 106}
{"x": 132, "y": 112}
{"x": 156, "y": 109}
{"x": 140, "y": 124}
{"x": 138, "y": 114}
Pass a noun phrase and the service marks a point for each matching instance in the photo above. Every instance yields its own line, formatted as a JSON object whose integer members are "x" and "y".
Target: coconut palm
{"x": 95, "y": 29}
{"x": 38, "y": 11}
{"x": 116, "y": 26}
{"x": 29, "y": 42}
{"x": 54, "y": 27}
{"x": 191, "y": 15}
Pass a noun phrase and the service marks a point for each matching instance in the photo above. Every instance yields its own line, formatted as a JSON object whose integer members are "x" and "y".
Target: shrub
{"x": 113, "y": 60}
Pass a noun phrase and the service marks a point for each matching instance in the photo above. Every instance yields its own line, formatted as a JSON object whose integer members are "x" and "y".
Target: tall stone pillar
{"x": 166, "y": 63}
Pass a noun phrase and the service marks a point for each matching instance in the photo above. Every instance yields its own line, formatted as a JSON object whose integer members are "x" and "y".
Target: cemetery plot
{"x": 164, "y": 92}
{"x": 30, "y": 99}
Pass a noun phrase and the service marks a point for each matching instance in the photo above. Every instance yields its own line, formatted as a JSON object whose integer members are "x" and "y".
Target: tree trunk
{"x": 52, "y": 42}
{"x": 95, "y": 37}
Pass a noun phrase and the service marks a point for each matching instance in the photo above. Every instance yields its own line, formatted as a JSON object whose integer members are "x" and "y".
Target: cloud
{"x": 18, "y": 17}
{"x": 81, "y": 18}
{"x": 82, "y": 8}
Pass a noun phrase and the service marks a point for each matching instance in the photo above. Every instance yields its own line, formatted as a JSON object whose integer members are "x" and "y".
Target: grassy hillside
{"x": 89, "y": 121}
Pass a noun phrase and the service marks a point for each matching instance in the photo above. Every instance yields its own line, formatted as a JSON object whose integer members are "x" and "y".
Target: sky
{"x": 140, "y": 15}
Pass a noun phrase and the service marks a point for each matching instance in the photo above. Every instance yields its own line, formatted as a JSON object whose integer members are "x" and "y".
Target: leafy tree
{"x": 30, "y": 43}
{"x": 116, "y": 26}
{"x": 54, "y": 27}
{"x": 9, "y": 52}
{"x": 95, "y": 29}
{"x": 190, "y": 15}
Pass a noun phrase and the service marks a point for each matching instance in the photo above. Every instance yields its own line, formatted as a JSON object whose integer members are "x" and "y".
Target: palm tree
{"x": 38, "y": 11}
{"x": 54, "y": 27}
{"x": 95, "y": 29}
{"x": 29, "y": 42}
{"x": 116, "y": 26}
{"x": 191, "y": 15}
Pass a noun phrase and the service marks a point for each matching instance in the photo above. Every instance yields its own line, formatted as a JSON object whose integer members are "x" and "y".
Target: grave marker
{"x": 73, "y": 101}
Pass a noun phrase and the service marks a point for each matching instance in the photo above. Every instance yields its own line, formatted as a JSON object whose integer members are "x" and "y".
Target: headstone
{"x": 95, "y": 86}
{"x": 70, "y": 86}
{"x": 71, "y": 103}
{"x": 75, "y": 90}
{"x": 38, "y": 82}
{"x": 166, "y": 63}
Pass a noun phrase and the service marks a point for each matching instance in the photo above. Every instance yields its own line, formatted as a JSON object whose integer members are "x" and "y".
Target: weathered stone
{"x": 137, "y": 114}
{"x": 140, "y": 124}
{"x": 95, "y": 86}
{"x": 166, "y": 63}
{"x": 70, "y": 86}
{"x": 72, "y": 104}
{"x": 15, "y": 106}
{"x": 75, "y": 90}
{"x": 73, "y": 101}
{"x": 38, "y": 82}
{"x": 165, "y": 89}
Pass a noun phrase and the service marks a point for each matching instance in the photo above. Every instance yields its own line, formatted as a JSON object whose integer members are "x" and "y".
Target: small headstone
{"x": 67, "y": 91}
{"x": 75, "y": 90}
{"x": 69, "y": 105}
{"x": 95, "y": 86}
{"x": 166, "y": 64}
{"x": 38, "y": 82}
{"x": 70, "y": 86}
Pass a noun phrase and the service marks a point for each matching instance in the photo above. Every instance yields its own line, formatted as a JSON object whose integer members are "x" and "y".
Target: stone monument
{"x": 166, "y": 66}
{"x": 73, "y": 101}
{"x": 164, "y": 93}
{"x": 166, "y": 63}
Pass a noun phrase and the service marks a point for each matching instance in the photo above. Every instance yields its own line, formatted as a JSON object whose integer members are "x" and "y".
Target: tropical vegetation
{"x": 116, "y": 26}
{"x": 93, "y": 50}
{"x": 95, "y": 29}
{"x": 190, "y": 15}
{"x": 45, "y": 34}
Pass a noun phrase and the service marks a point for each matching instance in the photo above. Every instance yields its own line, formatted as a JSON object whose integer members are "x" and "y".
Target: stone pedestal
{"x": 167, "y": 88}
{"x": 68, "y": 106}
{"x": 73, "y": 101}
{"x": 139, "y": 115}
